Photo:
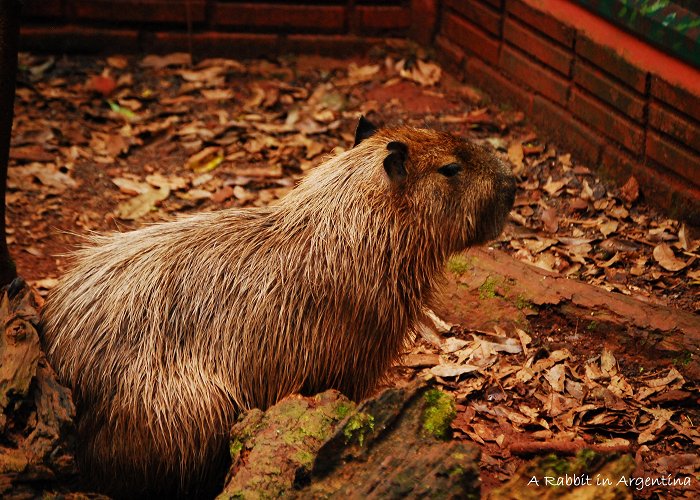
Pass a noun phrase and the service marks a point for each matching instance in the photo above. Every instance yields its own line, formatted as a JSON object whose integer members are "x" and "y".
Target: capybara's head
{"x": 459, "y": 186}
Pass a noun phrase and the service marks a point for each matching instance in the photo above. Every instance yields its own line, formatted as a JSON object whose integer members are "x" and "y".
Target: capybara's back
{"x": 167, "y": 332}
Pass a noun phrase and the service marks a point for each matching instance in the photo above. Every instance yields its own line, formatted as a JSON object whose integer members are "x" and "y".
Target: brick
{"x": 449, "y": 55}
{"x": 233, "y": 45}
{"x": 479, "y": 13}
{"x": 497, "y": 85}
{"x": 611, "y": 123}
{"x": 558, "y": 124}
{"x": 143, "y": 11}
{"x": 538, "y": 46}
{"x": 682, "y": 161}
{"x": 534, "y": 75}
{"x": 319, "y": 18}
{"x": 379, "y": 18}
{"x": 42, "y": 8}
{"x": 610, "y": 91}
{"x": 81, "y": 40}
{"x": 676, "y": 97}
{"x": 659, "y": 187}
{"x": 542, "y": 22}
{"x": 684, "y": 130}
{"x": 608, "y": 60}
{"x": 472, "y": 39}
{"x": 424, "y": 15}
{"x": 332, "y": 45}
{"x": 617, "y": 165}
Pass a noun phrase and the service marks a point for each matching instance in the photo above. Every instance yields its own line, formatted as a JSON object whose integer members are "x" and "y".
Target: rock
{"x": 393, "y": 445}
{"x": 273, "y": 451}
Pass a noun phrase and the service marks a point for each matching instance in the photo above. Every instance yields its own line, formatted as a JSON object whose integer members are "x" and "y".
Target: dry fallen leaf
{"x": 424, "y": 73}
{"x": 217, "y": 94}
{"x": 45, "y": 284}
{"x": 358, "y": 74}
{"x": 663, "y": 254}
{"x": 119, "y": 62}
{"x": 630, "y": 191}
{"x": 453, "y": 344}
{"x": 130, "y": 186}
{"x": 552, "y": 187}
{"x": 174, "y": 182}
{"x": 48, "y": 174}
{"x": 556, "y": 377}
{"x": 447, "y": 370}
{"x": 516, "y": 155}
{"x": 195, "y": 194}
{"x": 607, "y": 227}
{"x": 160, "y": 62}
{"x": 550, "y": 220}
{"x": 137, "y": 207}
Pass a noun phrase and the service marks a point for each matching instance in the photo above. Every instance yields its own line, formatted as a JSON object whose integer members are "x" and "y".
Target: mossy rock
{"x": 390, "y": 446}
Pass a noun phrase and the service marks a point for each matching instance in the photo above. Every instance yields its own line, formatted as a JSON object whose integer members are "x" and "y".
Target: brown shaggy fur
{"x": 166, "y": 332}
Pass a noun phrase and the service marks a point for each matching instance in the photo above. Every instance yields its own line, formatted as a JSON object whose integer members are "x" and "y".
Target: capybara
{"x": 165, "y": 333}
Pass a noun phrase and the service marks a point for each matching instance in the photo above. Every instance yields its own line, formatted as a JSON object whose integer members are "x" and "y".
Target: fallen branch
{"x": 524, "y": 289}
{"x": 563, "y": 447}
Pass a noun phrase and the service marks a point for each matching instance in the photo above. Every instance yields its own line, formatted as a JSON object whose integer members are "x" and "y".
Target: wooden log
{"x": 521, "y": 290}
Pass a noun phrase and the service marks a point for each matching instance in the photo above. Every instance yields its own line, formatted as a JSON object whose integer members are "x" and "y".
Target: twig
{"x": 563, "y": 447}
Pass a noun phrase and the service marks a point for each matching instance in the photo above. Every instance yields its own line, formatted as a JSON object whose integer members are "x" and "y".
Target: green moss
{"x": 358, "y": 427}
{"x": 342, "y": 410}
{"x": 235, "y": 448}
{"x": 459, "y": 264}
{"x": 487, "y": 290}
{"x": 439, "y": 413}
{"x": 304, "y": 457}
{"x": 522, "y": 303}
{"x": 584, "y": 460}
{"x": 683, "y": 359}
{"x": 456, "y": 471}
{"x": 553, "y": 466}
{"x": 592, "y": 326}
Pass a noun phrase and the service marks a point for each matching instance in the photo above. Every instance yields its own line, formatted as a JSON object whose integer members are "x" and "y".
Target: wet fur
{"x": 167, "y": 332}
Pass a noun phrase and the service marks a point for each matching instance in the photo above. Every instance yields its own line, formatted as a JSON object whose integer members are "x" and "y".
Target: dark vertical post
{"x": 9, "y": 39}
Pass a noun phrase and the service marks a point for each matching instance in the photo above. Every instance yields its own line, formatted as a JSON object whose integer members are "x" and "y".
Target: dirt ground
{"x": 114, "y": 143}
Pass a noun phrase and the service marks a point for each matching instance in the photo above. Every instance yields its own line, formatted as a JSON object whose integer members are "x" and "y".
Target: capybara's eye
{"x": 450, "y": 170}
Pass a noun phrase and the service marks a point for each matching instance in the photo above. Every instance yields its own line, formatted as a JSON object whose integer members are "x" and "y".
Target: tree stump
{"x": 36, "y": 412}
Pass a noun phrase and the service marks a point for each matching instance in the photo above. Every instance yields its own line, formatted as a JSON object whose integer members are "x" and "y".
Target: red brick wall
{"x": 621, "y": 105}
{"x": 219, "y": 27}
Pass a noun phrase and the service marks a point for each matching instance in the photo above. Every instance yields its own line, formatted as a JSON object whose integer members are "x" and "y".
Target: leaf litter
{"x": 117, "y": 143}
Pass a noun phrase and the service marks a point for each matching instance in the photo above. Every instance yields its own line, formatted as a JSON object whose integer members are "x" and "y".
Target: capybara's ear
{"x": 365, "y": 129}
{"x": 395, "y": 162}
